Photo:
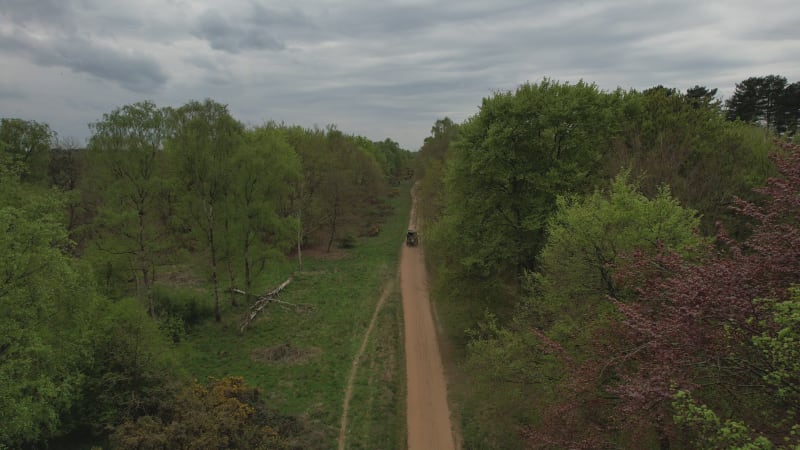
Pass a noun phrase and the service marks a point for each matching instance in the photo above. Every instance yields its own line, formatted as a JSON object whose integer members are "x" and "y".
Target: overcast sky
{"x": 372, "y": 67}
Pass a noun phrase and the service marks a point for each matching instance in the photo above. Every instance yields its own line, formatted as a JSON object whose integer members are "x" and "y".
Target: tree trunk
{"x": 142, "y": 257}
{"x": 299, "y": 231}
{"x": 333, "y": 227}
{"x": 212, "y": 246}
{"x": 248, "y": 281}
{"x": 232, "y": 279}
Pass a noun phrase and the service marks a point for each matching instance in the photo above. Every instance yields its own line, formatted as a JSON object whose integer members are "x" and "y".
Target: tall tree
{"x": 265, "y": 169}
{"x": 350, "y": 186}
{"x": 701, "y": 96}
{"x": 205, "y": 139}
{"x": 126, "y": 151}
{"x": 789, "y": 108}
{"x": 768, "y": 100}
{"x": 512, "y": 160}
{"x": 705, "y": 326}
{"x": 27, "y": 143}
{"x": 429, "y": 167}
{"x": 568, "y": 301}
{"x": 705, "y": 160}
{"x": 46, "y": 302}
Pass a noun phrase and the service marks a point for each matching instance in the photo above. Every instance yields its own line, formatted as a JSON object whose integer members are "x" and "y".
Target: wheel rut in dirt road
{"x": 428, "y": 414}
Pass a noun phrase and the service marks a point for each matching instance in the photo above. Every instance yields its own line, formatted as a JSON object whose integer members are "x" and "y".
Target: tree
{"x": 265, "y": 170}
{"x": 769, "y": 100}
{"x": 701, "y": 96}
{"x": 28, "y": 143}
{"x": 789, "y": 108}
{"x": 587, "y": 235}
{"x": 309, "y": 145}
{"x": 430, "y": 169}
{"x": 706, "y": 161}
{"x": 396, "y": 160}
{"x": 66, "y": 169}
{"x": 350, "y": 187}
{"x": 538, "y": 353}
{"x": 512, "y": 160}
{"x": 126, "y": 151}
{"x": 205, "y": 139}
{"x": 225, "y": 415}
{"x": 131, "y": 372}
{"x": 703, "y": 326}
{"x": 46, "y": 300}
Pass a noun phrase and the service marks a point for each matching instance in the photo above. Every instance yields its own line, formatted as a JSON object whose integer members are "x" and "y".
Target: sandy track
{"x": 429, "y": 426}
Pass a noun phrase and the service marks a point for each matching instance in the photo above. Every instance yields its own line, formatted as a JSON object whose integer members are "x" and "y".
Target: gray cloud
{"x": 234, "y": 36}
{"x": 380, "y": 68}
{"x": 52, "y": 12}
{"x": 9, "y": 93}
{"x": 130, "y": 70}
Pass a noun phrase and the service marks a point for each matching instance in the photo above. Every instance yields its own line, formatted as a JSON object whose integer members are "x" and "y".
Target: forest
{"x": 611, "y": 269}
{"x": 619, "y": 269}
{"x": 97, "y": 240}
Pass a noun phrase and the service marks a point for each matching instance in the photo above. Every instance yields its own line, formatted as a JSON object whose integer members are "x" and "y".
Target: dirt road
{"x": 429, "y": 426}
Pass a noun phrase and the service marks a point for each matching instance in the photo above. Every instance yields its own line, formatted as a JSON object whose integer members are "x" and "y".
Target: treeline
{"x": 623, "y": 263}
{"x": 96, "y": 239}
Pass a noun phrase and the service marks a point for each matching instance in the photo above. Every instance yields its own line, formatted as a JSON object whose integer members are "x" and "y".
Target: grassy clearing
{"x": 301, "y": 360}
{"x": 377, "y": 413}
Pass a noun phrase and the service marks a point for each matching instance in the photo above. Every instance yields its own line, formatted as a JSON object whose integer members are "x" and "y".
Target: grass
{"x": 343, "y": 292}
{"x": 377, "y": 416}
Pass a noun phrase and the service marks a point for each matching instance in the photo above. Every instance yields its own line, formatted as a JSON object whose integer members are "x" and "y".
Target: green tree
{"x": 205, "y": 139}
{"x": 705, "y": 160}
{"x": 397, "y": 159}
{"x": 350, "y": 187}
{"x": 701, "y": 96}
{"x": 46, "y": 300}
{"x": 586, "y": 235}
{"x": 769, "y": 100}
{"x": 568, "y": 306}
{"x": 512, "y": 160}
{"x": 126, "y": 153}
{"x": 131, "y": 372}
{"x": 27, "y": 143}
{"x": 261, "y": 224}
{"x": 314, "y": 161}
{"x": 429, "y": 169}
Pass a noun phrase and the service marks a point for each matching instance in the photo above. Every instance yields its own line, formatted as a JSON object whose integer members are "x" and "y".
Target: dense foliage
{"x": 654, "y": 312}
{"x": 95, "y": 242}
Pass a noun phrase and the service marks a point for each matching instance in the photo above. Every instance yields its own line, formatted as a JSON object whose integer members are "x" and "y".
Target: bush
{"x": 348, "y": 241}
{"x": 188, "y": 305}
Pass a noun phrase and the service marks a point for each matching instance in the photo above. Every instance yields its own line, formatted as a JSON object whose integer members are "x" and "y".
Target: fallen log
{"x": 265, "y": 300}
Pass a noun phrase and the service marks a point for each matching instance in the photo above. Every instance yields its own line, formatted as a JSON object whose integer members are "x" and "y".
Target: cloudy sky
{"x": 379, "y": 68}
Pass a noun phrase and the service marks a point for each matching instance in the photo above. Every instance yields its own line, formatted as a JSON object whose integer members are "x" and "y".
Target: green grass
{"x": 343, "y": 292}
{"x": 377, "y": 416}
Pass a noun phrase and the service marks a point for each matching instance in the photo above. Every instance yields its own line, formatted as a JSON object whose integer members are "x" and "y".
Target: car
{"x": 412, "y": 238}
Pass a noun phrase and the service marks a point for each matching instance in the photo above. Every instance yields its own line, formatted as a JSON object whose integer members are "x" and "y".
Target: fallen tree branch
{"x": 265, "y": 300}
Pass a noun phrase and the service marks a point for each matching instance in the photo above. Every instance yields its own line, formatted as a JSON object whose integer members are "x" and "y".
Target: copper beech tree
{"x": 717, "y": 333}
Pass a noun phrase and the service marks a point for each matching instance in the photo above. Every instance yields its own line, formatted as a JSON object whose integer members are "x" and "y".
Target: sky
{"x": 377, "y": 68}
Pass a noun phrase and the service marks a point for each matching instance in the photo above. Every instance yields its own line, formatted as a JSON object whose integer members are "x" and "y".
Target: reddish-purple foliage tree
{"x": 689, "y": 324}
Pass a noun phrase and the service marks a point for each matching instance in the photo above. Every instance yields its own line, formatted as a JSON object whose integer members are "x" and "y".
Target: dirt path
{"x": 354, "y": 368}
{"x": 429, "y": 426}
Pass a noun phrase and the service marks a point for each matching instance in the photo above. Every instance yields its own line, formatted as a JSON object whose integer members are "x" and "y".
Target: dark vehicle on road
{"x": 412, "y": 238}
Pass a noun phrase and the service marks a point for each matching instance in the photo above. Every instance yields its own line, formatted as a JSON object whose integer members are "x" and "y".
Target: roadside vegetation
{"x": 619, "y": 269}
{"x": 121, "y": 328}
